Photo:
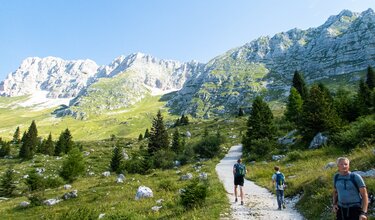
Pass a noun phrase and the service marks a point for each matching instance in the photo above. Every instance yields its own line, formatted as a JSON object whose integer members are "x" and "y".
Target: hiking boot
{"x": 284, "y": 206}
{"x": 235, "y": 200}
{"x": 278, "y": 208}
{"x": 241, "y": 202}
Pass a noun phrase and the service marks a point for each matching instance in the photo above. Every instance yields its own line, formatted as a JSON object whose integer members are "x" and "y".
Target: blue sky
{"x": 183, "y": 30}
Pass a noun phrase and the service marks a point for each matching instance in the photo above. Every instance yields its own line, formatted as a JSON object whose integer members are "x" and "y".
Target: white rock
{"x": 143, "y": 192}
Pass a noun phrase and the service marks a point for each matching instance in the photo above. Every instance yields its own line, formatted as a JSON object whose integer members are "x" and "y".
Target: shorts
{"x": 238, "y": 180}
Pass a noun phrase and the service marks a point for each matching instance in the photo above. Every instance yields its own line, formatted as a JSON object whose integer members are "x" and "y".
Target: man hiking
{"x": 350, "y": 199}
{"x": 239, "y": 172}
{"x": 279, "y": 179}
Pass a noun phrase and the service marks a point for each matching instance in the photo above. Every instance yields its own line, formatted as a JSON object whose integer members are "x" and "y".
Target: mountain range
{"x": 339, "y": 49}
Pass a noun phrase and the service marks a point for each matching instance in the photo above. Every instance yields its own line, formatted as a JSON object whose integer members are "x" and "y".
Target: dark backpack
{"x": 240, "y": 170}
{"x": 280, "y": 179}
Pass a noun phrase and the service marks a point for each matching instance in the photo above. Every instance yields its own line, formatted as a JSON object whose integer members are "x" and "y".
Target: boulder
{"x": 330, "y": 165}
{"x": 203, "y": 176}
{"x": 156, "y": 208}
{"x": 143, "y": 192}
{"x": 277, "y": 157}
{"x": 120, "y": 178}
{"x": 318, "y": 141}
{"x": 51, "y": 202}
{"x": 188, "y": 176}
{"x": 188, "y": 134}
{"x": 24, "y": 204}
{"x": 70, "y": 195}
{"x": 106, "y": 174}
{"x": 67, "y": 186}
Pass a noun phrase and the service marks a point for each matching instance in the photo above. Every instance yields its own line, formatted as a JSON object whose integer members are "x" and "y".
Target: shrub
{"x": 53, "y": 182}
{"x": 356, "y": 134}
{"x": 294, "y": 156}
{"x": 35, "y": 182}
{"x": 36, "y": 199}
{"x": 163, "y": 159}
{"x": 73, "y": 165}
{"x": 194, "y": 195}
{"x": 7, "y": 183}
{"x": 260, "y": 148}
{"x": 80, "y": 213}
{"x": 208, "y": 147}
{"x": 168, "y": 185}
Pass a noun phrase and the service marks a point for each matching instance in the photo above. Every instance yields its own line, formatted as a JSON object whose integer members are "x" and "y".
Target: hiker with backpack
{"x": 278, "y": 179}
{"x": 350, "y": 199}
{"x": 239, "y": 172}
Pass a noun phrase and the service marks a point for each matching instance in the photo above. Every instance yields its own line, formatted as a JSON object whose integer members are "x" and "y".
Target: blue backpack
{"x": 240, "y": 170}
{"x": 280, "y": 179}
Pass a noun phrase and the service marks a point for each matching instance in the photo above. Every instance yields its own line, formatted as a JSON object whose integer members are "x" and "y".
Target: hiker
{"x": 350, "y": 199}
{"x": 239, "y": 172}
{"x": 279, "y": 179}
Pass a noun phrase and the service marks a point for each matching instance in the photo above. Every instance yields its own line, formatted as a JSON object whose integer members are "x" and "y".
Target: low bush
{"x": 194, "y": 195}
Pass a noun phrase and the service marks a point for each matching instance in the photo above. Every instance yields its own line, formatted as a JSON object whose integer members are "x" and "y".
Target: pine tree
{"x": 294, "y": 107}
{"x": 32, "y": 134}
{"x": 184, "y": 120}
{"x": 116, "y": 159}
{"x": 25, "y": 150}
{"x": 370, "y": 78}
{"x": 240, "y": 112}
{"x": 319, "y": 114}
{"x": 73, "y": 166}
{"x": 158, "y": 136}
{"x": 344, "y": 103}
{"x": 7, "y": 183}
{"x": 177, "y": 142}
{"x": 147, "y": 133}
{"x": 299, "y": 84}
{"x": 364, "y": 99}
{"x": 17, "y": 136}
{"x": 48, "y": 147}
{"x": 259, "y": 124}
{"x": 65, "y": 143}
{"x": 140, "y": 137}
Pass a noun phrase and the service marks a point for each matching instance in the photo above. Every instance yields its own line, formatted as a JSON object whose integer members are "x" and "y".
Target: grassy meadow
{"x": 305, "y": 170}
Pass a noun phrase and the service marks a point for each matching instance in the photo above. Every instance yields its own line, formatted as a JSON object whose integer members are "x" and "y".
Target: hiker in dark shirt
{"x": 239, "y": 172}
{"x": 350, "y": 199}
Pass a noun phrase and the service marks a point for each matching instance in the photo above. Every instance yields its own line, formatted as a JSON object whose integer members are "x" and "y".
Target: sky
{"x": 183, "y": 30}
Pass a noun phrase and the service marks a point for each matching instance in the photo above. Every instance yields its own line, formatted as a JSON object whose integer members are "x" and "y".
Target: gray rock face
{"x": 61, "y": 78}
{"x": 344, "y": 44}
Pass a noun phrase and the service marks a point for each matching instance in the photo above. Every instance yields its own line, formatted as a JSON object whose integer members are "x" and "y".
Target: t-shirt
{"x": 274, "y": 176}
{"x": 348, "y": 195}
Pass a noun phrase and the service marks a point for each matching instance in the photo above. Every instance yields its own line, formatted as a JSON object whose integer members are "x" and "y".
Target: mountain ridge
{"x": 344, "y": 44}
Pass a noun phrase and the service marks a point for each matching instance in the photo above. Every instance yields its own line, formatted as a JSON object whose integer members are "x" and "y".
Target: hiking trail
{"x": 259, "y": 203}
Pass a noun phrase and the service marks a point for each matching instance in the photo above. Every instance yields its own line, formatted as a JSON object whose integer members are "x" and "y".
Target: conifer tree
{"x": 299, "y": 84}
{"x": 259, "y": 124}
{"x": 177, "y": 146}
{"x": 364, "y": 99}
{"x": 7, "y": 183}
{"x": 116, "y": 159}
{"x": 319, "y": 113}
{"x": 32, "y": 134}
{"x": 370, "y": 78}
{"x": 294, "y": 107}
{"x": 240, "y": 112}
{"x": 73, "y": 166}
{"x": 184, "y": 120}
{"x": 17, "y": 136}
{"x": 147, "y": 133}
{"x": 65, "y": 143}
{"x": 344, "y": 103}
{"x": 158, "y": 136}
{"x": 140, "y": 137}
{"x": 48, "y": 147}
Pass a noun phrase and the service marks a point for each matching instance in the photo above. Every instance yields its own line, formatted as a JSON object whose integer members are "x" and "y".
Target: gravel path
{"x": 259, "y": 202}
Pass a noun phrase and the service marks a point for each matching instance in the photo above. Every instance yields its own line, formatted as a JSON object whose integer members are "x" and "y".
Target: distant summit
{"x": 341, "y": 47}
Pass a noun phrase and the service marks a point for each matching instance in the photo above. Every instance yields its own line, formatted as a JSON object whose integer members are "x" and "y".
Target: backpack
{"x": 351, "y": 175}
{"x": 240, "y": 170}
{"x": 280, "y": 179}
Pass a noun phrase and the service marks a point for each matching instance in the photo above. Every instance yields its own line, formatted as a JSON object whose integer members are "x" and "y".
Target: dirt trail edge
{"x": 259, "y": 202}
